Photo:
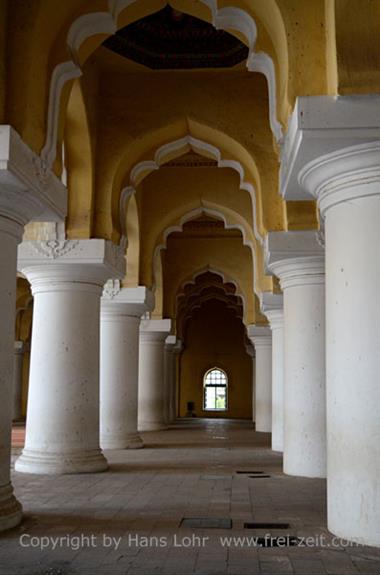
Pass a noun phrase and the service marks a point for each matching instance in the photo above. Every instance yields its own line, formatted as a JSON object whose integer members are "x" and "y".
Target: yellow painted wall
{"x": 3, "y": 57}
{"x": 23, "y": 332}
{"x": 215, "y": 338}
{"x": 358, "y": 45}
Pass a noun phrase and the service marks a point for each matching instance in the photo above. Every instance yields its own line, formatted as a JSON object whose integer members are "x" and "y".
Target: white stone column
{"x": 151, "y": 374}
{"x": 19, "y": 348}
{"x": 261, "y": 337}
{"x": 298, "y": 260}
{"x": 169, "y": 376}
{"x": 249, "y": 348}
{"x": 10, "y": 235}
{"x": 62, "y": 427}
{"x": 173, "y": 405}
{"x": 121, "y": 311}
{"x": 27, "y": 190}
{"x": 272, "y": 307}
{"x": 173, "y": 347}
{"x": 347, "y": 185}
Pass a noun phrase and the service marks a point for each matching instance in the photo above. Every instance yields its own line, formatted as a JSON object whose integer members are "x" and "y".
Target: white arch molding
{"x": 219, "y": 293}
{"x": 227, "y": 18}
{"x": 178, "y": 147}
{"x": 202, "y": 299}
{"x": 193, "y": 214}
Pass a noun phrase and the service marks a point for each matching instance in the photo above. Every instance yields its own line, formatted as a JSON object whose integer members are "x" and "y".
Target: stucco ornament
{"x": 111, "y": 288}
{"x": 54, "y": 249}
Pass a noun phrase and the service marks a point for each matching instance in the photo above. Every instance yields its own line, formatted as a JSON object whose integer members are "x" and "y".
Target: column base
{"x": 132, "y": 441}
{"x": 43, "y": 463}
{"x": 10, "y": 508}
{"x": 308, "y": 473}
{"x": 152, "y": 426}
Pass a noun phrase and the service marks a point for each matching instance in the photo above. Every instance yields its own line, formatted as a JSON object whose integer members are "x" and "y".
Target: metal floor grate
{"x": 265, "y": 525}
{"x": 207, "y": 522}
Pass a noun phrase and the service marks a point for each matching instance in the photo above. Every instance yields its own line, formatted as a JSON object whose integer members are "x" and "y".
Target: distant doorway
{"x": 215, "y": 390}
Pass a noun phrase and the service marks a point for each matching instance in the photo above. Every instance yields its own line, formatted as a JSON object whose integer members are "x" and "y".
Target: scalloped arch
{"x": 174, "y": 149}
{"x": 230, "y": 18}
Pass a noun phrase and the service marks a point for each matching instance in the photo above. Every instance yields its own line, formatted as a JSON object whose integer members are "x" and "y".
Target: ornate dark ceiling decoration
{"x": 172, "y": 40}
{"x": 191, "y": 160}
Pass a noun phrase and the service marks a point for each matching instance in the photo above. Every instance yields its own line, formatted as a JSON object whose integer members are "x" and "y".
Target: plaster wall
{"x": 215, "y": 337}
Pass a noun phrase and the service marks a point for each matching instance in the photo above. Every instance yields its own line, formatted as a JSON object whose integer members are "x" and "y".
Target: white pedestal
{"x": 151, "y": 374}
{"x": 121, "y": 310}
{"x": 62, "y": 429}
{"x": 298, "y": 260}
{"x": 261, "y": 337}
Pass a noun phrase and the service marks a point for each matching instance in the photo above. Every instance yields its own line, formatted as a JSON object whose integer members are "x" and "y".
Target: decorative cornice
{"x": 296, "y": 258}
{"x": 320, "y": 126}
{"x": 29, "y": 189}
{"x": 342, "y": 176}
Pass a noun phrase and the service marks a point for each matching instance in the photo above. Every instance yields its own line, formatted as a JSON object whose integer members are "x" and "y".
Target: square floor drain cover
{"x": 207, "y": 522}
{"x": 250, "y": 472}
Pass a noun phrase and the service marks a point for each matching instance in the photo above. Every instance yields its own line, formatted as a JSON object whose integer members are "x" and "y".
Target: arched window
{"x": 215, "y": 384}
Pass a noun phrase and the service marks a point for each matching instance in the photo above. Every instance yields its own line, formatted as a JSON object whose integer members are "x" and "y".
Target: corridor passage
{"x": 128, "y": 520}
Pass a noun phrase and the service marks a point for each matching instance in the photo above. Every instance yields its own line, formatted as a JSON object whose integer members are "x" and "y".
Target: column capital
{"x": 118, "y": 301}
{"x": 321, "y": 125}
{"x": 155, "y": 330}
{"x": 272, "y": 306}
{"x": 343, "y": 176}
{"x": 260, "y": 335}
{"x": 179, "y": 346}
{"x": 173, "y": 344}
{"x": 250, "y": 350}
{"x": 29, "y": 189}
{"x": 170, "y": 342}
{"x": 19, "y": 347}
{"x": 55, "y": 265}
{"x": 296, "y": 258}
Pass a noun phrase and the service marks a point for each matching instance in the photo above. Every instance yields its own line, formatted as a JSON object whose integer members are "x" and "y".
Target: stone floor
{"x": 127, "y": 521}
